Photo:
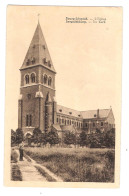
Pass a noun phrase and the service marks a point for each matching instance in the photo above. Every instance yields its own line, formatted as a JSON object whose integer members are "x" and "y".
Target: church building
{"x": 37, "y": 106}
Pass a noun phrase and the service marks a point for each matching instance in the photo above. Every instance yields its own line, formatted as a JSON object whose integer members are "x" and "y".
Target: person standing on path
{"x": 21, "y": 147}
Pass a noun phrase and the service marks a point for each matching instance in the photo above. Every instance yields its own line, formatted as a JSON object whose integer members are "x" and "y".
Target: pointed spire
{"x": 38, "y": 53}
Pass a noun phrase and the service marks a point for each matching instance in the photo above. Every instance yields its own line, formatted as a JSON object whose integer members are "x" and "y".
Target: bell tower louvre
{"x": 36, "y": 104}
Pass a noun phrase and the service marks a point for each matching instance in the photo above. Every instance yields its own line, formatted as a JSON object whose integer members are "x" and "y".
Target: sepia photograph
{"x": 63, "y": 96}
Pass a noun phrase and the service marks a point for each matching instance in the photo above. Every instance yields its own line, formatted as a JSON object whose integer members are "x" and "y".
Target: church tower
{"x": 36, "y": 104}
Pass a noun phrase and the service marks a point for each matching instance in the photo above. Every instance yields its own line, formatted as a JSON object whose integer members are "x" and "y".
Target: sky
{"x": 86, "y": 57}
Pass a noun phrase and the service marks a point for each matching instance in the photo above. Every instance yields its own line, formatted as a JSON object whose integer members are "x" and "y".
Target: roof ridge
{"x": 68, "y": 108}
{"x": 94, "y": 110}
{"x": 81, "y": 111}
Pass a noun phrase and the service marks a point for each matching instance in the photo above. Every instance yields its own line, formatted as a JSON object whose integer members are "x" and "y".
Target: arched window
{"x": 33, "y": 78}
{"x": 27, "y": 79}
{"x": 49, "y": 81}
{"x": 45, "y": 79}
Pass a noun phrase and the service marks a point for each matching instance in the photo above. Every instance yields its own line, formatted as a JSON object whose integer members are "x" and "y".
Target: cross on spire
{"x": 38, "y": 17}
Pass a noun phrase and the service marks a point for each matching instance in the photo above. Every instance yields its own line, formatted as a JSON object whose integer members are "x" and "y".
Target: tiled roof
{"x": 67, "y": 127}
{"x": 49, "y": 98}
{"x": 68, "y": 111}
{"x": 38, "y": 52}
{"x": 103, "y": 113}
{"x": 57, "y": 127}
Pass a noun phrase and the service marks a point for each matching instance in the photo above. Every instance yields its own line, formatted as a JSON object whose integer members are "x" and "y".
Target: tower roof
{"x": 48, "y": 98}
{"x": 38, "y": 53}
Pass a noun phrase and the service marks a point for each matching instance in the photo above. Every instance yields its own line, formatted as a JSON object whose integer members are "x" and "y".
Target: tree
{"x": 83, "y": 139}
{"x": 19, "y": 136}
{"x": 110, "y": 138}
{"x": 36, "y": 135}
{"x": 36, "y": 132}
{"x": 96, "y": 140}
{"x": 69, "y": 138}
{"x": 42, "y": 139}
{"x": 52, "y": 138}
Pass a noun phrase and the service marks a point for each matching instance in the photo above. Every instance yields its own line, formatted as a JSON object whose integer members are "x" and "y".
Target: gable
{"x": 110, "y": 118}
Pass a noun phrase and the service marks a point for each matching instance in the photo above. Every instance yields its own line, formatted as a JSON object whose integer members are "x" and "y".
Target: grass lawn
{"x": 76, "y": 164}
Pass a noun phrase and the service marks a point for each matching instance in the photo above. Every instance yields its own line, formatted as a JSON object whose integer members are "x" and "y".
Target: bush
{"x": 110, "y": 139}
{"x": 36, "y": 137}
{"x": 69, "y": 138}
{"x": 83, "y": 141}
{"x": 14, "y": 155}
{"x": 102, "y": 140}
{"x": 19, "y": 136}
{"x": 52, "y": 138}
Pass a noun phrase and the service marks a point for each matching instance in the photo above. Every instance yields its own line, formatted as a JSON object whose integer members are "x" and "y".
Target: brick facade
{"x": 37, "y": 107}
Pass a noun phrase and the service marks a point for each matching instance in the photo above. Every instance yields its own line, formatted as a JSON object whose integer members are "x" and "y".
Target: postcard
{"x": 63, "y": 96}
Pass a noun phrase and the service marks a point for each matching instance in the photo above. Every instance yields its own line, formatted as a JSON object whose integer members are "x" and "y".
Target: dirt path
{"x": 58, "y": 179}
{"x": 30, "y": 173}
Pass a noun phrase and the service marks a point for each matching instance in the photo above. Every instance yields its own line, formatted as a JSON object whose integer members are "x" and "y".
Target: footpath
{"x": 29, "y": 171}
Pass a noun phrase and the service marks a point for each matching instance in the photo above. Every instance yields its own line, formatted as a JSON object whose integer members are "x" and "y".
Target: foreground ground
{"x": 75, "y": 164}
{"x": 29, "y": 169}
